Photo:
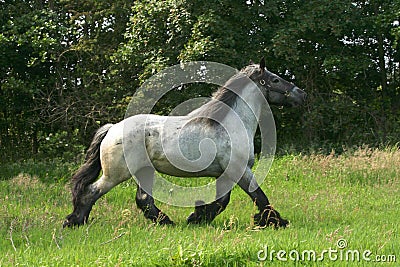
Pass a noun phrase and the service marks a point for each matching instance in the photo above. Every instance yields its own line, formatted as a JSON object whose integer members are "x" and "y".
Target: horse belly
{"x": 166, "y": 161}
{"x": 166, "y": 167}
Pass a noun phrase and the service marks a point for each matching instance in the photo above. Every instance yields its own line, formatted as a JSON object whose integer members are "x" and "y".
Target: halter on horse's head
{"x": 277, "y": 90}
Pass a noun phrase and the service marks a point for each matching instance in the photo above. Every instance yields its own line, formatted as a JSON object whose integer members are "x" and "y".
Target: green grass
{"x": 354, "y": 196}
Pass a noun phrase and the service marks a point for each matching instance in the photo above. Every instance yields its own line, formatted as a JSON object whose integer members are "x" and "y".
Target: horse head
{"x": 277, "y": 90}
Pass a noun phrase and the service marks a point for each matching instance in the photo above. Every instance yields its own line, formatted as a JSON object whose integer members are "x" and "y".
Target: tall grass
{"x": 353, "y": 196}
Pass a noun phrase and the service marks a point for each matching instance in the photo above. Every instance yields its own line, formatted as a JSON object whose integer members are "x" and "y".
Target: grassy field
{"x": 340, "y": 207}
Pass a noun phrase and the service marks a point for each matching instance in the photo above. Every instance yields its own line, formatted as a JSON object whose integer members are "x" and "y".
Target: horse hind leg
{"x": 146, "y": 203}
{"x": 86, "y": 194}
{"x": 206, "y": 213}
{"x": 82, "y": 191}
{"x": 144, "y": 199}
{"x": 84, "y": 202}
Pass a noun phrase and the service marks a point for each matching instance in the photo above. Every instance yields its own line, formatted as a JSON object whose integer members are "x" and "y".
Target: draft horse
{"x": 106, "y": 153}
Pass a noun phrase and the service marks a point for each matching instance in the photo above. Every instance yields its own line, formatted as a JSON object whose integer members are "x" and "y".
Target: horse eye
{"x": 276, "y": 80}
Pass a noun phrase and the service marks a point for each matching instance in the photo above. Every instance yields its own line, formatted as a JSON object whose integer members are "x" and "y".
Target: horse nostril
{"x": 304, "y": 96}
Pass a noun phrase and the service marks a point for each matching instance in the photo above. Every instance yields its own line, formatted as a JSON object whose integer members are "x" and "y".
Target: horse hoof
{"x": 67, "y": 224}
{"x": 164, "y": 220}
{"x": 270, "y": 217}
{"x": 72, "y": 220}
{"x": 199, "y": 215}
{"x": 283, "y": 223}
{"x": 193, "y": 218}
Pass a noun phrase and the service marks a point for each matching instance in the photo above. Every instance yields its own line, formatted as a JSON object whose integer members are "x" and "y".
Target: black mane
{"x": 226, "y": 96}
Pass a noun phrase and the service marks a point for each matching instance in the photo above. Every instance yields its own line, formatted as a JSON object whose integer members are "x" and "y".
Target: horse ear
{"x": 262, "y": 63}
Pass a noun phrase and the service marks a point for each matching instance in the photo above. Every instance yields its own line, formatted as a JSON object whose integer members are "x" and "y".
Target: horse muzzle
{"x": 297, "y": 96}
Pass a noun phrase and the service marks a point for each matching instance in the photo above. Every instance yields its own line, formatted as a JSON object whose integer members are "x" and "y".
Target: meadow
{"x": 344, "y": 210}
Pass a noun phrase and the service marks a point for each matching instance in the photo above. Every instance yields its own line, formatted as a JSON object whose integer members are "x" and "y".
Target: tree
{"x": 55, "y": 59}
{"x": 344, "y": 54}
{"x": 29, "y": 42}
{"x": 68, "y": 66}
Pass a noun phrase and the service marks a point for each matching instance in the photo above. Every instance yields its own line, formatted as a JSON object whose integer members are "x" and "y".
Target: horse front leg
{"x": 267, "y": 216}
{"x": 145, "y": 201}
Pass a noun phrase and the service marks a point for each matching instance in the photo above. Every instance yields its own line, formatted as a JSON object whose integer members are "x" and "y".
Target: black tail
{"x": 90, "y": 170}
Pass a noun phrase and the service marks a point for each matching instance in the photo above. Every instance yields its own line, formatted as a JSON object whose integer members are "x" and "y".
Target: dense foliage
{"x": 68, "y": 66}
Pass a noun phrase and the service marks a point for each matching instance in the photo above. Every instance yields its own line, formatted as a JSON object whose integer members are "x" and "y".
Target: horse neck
{"x": 248, "y": 107}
